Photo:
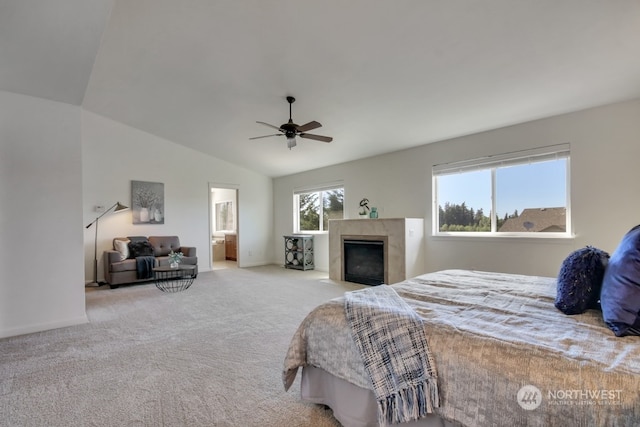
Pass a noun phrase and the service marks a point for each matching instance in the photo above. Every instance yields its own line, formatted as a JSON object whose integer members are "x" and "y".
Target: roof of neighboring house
{"x": 537, "y": 220}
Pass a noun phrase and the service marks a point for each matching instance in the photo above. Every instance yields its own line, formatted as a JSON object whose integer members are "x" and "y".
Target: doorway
{"x": 223, "y": 211}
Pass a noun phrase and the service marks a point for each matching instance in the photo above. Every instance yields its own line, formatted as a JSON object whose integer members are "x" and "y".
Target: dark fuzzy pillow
{"x": 620, "y": 295}
{"x": 580, "y": 280}
{"x": 140, "y": 248}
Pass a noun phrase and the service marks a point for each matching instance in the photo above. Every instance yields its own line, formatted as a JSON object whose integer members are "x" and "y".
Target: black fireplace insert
{"x": 364, "y": 261}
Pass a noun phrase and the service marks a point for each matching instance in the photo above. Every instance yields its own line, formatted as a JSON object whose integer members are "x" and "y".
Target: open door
{"x": 223, "y": 211}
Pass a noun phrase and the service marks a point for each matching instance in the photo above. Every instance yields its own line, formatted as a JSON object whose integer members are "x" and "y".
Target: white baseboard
{"x": 39, "y": 327}
{"x": 254, "y": 264}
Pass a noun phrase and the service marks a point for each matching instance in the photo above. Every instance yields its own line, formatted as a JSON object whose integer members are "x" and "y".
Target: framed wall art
{"x": 147, "y": 202}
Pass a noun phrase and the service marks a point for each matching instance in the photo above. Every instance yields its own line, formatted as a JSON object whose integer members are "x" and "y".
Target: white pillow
{"x": 122, "y": 246}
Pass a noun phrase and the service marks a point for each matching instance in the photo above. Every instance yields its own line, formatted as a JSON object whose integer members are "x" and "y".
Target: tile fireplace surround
{"x": 404, "y": 245}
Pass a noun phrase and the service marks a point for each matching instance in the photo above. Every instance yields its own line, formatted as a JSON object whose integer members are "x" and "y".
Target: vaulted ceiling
{"x": 379, "y": 75}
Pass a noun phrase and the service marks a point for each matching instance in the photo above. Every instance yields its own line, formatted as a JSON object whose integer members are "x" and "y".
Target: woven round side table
{"x": 177, "y": 279}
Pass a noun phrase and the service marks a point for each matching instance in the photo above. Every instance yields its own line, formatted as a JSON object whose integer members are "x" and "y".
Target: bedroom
{"x": 63, "y": 159}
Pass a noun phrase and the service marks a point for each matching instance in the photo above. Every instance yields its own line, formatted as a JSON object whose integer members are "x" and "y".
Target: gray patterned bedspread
{"x": 504, "y": 354}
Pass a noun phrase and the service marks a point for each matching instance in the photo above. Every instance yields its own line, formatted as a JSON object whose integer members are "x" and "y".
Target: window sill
{"x": 537, "y": 237}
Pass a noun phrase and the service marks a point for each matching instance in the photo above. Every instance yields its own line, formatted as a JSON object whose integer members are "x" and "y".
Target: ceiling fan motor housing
{"x": 290, "y": 130}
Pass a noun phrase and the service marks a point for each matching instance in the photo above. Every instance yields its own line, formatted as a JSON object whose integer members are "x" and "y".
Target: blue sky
{"x": 535, "y": 185}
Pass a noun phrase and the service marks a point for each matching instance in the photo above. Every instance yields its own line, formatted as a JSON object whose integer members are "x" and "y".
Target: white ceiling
{"x": 380, "y": 75}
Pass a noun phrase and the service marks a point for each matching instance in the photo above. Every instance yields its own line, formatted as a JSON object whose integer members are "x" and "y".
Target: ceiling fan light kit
{"x": 290, "y": 130}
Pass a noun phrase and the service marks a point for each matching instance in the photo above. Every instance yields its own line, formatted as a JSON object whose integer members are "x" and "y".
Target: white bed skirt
{"x": 353, "y": 406}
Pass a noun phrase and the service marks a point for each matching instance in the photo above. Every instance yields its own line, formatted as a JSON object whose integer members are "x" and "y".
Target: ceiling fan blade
{"x": 267, "y": 136}
{"x": 271, "y": 126}
{"x": 309, "y": 126}
{"x": 316, "y": 137}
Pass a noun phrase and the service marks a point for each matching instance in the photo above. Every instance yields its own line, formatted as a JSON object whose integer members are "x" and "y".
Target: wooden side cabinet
{"x": 230, "y": 247}
{"x": 298, "y": 251}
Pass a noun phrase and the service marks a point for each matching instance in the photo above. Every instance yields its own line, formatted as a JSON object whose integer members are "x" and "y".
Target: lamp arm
{"x": 103, "y": 214}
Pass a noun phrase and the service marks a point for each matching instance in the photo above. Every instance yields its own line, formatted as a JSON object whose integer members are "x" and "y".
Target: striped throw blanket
{"x": 390, "y": 337}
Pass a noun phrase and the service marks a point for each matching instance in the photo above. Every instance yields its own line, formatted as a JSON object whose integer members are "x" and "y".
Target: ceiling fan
{"x": 291, "y": 130}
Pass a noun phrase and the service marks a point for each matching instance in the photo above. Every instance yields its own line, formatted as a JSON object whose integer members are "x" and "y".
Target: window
{"x": 527, "y": 190}
{"x": 224, "y": 216}
{"x": 314, "y": 209}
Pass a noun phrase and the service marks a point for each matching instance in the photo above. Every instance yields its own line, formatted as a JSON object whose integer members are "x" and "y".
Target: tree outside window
{"x": 315, "y": 209}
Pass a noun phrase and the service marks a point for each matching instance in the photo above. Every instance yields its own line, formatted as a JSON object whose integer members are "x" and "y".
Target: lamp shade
{"x": 120, "y": 207}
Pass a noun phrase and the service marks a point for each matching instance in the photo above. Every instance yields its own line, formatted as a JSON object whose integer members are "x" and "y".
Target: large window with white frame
{"x": 524, "y": 193}
{"x": 313, "y": 208}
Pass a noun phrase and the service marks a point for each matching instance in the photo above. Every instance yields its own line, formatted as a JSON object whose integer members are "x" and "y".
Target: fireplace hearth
{"x": 364, "y": 261}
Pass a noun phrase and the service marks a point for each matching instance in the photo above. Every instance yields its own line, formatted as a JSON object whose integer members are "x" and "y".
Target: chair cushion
{"x": 126, "y": 265}
{"x": 163, "y": 245}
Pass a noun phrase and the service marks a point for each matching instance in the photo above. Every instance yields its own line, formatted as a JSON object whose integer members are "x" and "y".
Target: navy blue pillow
{"x": 580, "y": 279}
{"x": 620, "y": 294}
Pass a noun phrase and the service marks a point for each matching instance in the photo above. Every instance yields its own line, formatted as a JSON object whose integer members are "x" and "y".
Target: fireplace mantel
{"x": 405, "y": 244}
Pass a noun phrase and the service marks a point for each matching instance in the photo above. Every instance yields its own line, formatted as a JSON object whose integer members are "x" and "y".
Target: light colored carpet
{"x": 209, "y": 356}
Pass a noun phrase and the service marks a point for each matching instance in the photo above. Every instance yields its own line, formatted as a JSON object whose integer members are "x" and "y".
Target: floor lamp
{"x": 118, "y": 207}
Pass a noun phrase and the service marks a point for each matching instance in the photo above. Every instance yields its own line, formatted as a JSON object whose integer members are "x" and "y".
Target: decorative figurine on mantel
{"x": 364, "y": 208}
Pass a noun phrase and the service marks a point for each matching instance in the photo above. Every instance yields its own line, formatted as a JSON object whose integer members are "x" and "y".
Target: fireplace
{"x": 364, "y": 261}
{"x": 404, "y": 251}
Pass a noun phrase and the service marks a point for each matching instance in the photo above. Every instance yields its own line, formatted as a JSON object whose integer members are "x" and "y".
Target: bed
{"x": 505, "y": 356}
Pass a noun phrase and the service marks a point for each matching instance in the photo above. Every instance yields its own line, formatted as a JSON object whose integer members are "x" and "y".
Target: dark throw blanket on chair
{"x": 144, "y": 266}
